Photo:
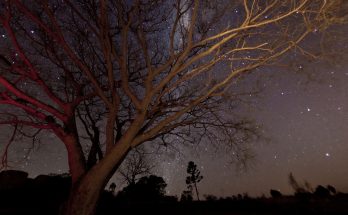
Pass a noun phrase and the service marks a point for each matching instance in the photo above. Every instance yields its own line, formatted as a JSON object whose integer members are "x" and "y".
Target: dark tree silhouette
{"x": 302, "y": 191}
{"x": 12, "y": 178}
{"x": 112, "y": 187}
{"x": 186, "y": 195}
{"x": 210, "y": 198}
{"x": 41, "y": 195}
{"x": 147, "y": 189}
{"x": 135, "y": 166}
{"x": 321, "y": 192}
{"x": 297, "y": 187}
{"x": 275, "y": 193}
{"x": 332, "y": 189}
{"x": 193, "y": 178}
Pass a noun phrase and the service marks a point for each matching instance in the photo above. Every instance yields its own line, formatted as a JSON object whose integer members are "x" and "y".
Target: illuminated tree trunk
{"x": 85, "y": 193}
{"x": 76, "y": 158}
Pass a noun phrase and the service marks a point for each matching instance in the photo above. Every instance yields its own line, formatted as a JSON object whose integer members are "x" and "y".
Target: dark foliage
{"x": 45, "y": 194}
{"x": 147, "y": 189}
{"x": 41, "y": 195}
{"x": 186, "y": 195}
{"x": 321, "y": 192}
{"x": 275, "y": 194}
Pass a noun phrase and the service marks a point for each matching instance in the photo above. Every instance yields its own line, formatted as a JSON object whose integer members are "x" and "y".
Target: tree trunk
{"x": 197, "y": 191}
{"x": 76, "y": 160}
{"x": 85, "y": 193}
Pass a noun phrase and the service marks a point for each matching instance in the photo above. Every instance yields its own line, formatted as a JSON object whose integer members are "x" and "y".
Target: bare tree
{"x": 139, "y": 71}
{"x": 299, "y": 188}
{"x": 135, "y": 166}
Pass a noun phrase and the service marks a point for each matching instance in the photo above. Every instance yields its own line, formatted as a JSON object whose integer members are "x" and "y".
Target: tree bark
{"x": 76, "y": 159}
{"x": 85, "y": 193}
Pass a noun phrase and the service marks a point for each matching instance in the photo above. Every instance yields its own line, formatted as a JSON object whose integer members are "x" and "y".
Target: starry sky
{"x": 303, "y": 113}
{"x": 304, "y": 117}
{"x": 305, "y": 122}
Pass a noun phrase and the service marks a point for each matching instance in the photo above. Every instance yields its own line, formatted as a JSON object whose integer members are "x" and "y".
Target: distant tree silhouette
{"x": 12, "y": 179}
{"x": 112, "y": 187}
{"x": 331, "y": 189}
{"x": 246, "y": 196}
{"x": 321, "y": 192}
{"x": 22, "y": 195}
{"x": 275, "y": 193}
{"x": 147, "y": 189}
{"x": 210, "y": 198}
{"x": 301, "y": 191}
{"x": 293, "y": 183}
{"x": 298, "y": 188}
{"x": 193, "y": 178}
{"x": 154, "y": 184}
{"x": 135, "y": 166}
{"x": 186, "y": 195}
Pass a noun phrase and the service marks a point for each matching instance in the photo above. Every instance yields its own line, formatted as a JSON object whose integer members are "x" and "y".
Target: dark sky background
{"x": 304, "y": 117}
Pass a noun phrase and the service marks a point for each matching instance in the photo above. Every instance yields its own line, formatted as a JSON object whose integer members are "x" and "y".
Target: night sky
{"x": 303, "y": 113}
{"x": 306, "y": 123}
